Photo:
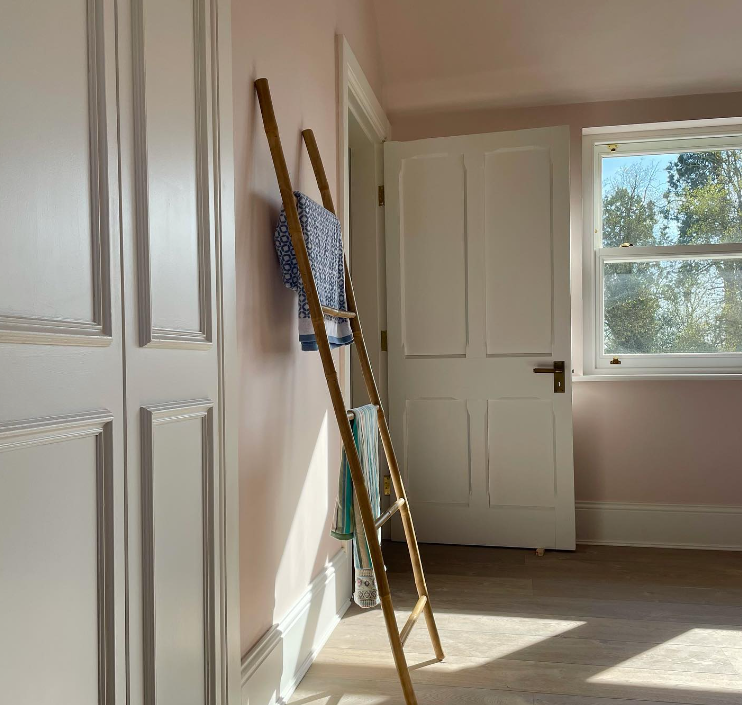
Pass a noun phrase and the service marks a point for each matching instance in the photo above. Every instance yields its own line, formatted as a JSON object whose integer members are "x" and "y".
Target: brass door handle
{"x": 557, "y": 371}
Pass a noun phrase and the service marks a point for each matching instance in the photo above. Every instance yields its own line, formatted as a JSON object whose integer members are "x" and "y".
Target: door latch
{"x": 557, "y": 371}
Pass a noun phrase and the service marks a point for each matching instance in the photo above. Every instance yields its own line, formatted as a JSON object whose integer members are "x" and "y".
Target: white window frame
{"x": 635, "y": 140}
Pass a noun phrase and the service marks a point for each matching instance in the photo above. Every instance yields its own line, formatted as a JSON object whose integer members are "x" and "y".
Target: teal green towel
{"x": 345, "y": 527}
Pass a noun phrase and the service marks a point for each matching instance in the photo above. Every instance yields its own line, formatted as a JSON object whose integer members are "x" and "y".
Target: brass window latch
{"x": 615, "y": 361}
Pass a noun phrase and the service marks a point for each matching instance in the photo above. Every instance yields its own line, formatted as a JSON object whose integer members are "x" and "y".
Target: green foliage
{"x": 705, "y": 197}
{"x": 665, "y": 306}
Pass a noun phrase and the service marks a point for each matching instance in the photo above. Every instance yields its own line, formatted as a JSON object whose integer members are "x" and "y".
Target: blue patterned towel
{"x": 325, "y": 249}
{"x": 347, "y": 524}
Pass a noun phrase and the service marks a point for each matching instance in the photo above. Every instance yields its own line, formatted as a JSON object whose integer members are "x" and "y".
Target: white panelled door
{"x": 62, "y": 559}
{"x": 114, "y": 240}
{"x": 171, "y": 231}
{"x": 477, "y": 234}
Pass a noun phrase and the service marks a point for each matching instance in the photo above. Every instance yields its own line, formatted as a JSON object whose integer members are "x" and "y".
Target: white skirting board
{"x": 273, "y": 668}
{"x": 660, "y": 525}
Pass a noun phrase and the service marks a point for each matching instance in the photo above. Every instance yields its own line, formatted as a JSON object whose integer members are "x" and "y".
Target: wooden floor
{"x": 603, "y": 625}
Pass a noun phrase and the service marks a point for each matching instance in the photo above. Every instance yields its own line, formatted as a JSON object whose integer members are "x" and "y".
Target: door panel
{"x": 54, "y": 179}
{"x": 56, "y": 528}
{"x": 433, "y": 252}
{"x": 478, "y": 259}
{"x": 520, "y": 466}
{"x": 172, "y": 178}
{"x": 517, "y": 239}
{"x": 178, "y": 501}
{"x": 437, "y": 433}
{"x": 50, "y": 114}
{"x": 61, "y": 408}
{"x": 169, "y": 232}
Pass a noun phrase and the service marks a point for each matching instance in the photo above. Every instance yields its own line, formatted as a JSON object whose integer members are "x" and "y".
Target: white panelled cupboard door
{"x": 61, "y": 392}
{"x": 478, "y": 296}
{"x": 115, "y": 245}
{"x": 171, "y": 220}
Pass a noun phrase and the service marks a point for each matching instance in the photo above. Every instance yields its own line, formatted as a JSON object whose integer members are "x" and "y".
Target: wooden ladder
{"x": 317, "y": 312}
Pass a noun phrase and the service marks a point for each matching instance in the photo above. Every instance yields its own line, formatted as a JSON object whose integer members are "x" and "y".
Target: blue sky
{"x": 612, "y": 164}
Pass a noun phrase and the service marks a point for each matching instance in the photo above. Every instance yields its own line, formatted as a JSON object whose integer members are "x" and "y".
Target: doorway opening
{"x": 366, "y": 254}
{"x": 364, "y": 129}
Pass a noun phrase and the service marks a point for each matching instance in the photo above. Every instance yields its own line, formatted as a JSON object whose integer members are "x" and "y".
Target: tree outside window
{"x": 670, "y": 302}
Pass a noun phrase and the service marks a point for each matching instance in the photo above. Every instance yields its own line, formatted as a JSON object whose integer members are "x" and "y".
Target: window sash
{"x": 595, "y": 360}
{"x": 654, "y": 254}
{"x": 647, "y": 147}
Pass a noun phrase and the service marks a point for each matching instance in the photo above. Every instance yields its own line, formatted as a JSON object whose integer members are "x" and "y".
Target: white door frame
{"x": 226, "y": 306}
{"x": 355, "y": 94}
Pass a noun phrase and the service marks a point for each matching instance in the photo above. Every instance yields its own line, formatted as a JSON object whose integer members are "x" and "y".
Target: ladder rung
{"x": 389, "y": 513}
{"x": 416, "y": 612}
{"x": 351, "y": 414}
{"x": 336, "y": 313}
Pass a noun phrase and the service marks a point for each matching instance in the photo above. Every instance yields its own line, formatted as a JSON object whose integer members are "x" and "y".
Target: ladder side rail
{"x": 346, "y": 433}
{"x": 373, "y": 393}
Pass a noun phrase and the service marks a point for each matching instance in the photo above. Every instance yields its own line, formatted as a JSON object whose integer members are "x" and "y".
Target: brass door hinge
{"x": 381, "y": 195}
{"x": 387, "y": 485}
{"x": 384, "y": 344}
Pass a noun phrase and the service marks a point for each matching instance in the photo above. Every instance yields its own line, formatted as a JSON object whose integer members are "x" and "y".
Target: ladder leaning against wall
{"x": 371, "y": 523}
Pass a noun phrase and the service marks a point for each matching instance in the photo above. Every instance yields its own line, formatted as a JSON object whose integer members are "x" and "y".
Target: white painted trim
{"x": 225, "y": 333}
{"x": 205, "y": 90}
{"x": 98, "y": 424}
{"x": 273, "y": 668}
{"x": 660, "y": 525}
{"x": 45, "y": 330}
{"x": 638, "y": 139}
{"x": 152, "y": 416}
{"x": 729, "y": 125}
{"x": 357, "y": 97}
{"x": 354, "y": 93}
{"x": 689, "y": 377}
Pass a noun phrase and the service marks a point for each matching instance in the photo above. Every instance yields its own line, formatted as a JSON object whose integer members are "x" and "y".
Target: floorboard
{"x": 602, "y": 625}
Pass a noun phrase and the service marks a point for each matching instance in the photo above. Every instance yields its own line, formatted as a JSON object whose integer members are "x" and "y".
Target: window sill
{"x": 670, "y": 376}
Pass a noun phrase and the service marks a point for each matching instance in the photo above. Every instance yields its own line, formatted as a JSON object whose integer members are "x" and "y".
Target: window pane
{"x": 672, "y": 306}
{"x": 688, "y": 198}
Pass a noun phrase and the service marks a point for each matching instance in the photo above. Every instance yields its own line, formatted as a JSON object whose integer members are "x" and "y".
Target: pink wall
{"x": 639, "y": 441}
{"x": 289, "y": 445}
{"x": 670, "y": 442}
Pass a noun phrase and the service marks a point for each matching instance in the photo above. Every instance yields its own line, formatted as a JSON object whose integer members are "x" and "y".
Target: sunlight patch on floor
{"x": 495, "y": 624}
{"x": 701, "y": 646}
{"x": 653, "y": 667}
{"x": 664, "y": 680}
{"x": 730, "y": 638}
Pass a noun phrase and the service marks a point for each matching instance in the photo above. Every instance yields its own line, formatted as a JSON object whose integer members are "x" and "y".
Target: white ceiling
{"x": 455, "y": 53}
